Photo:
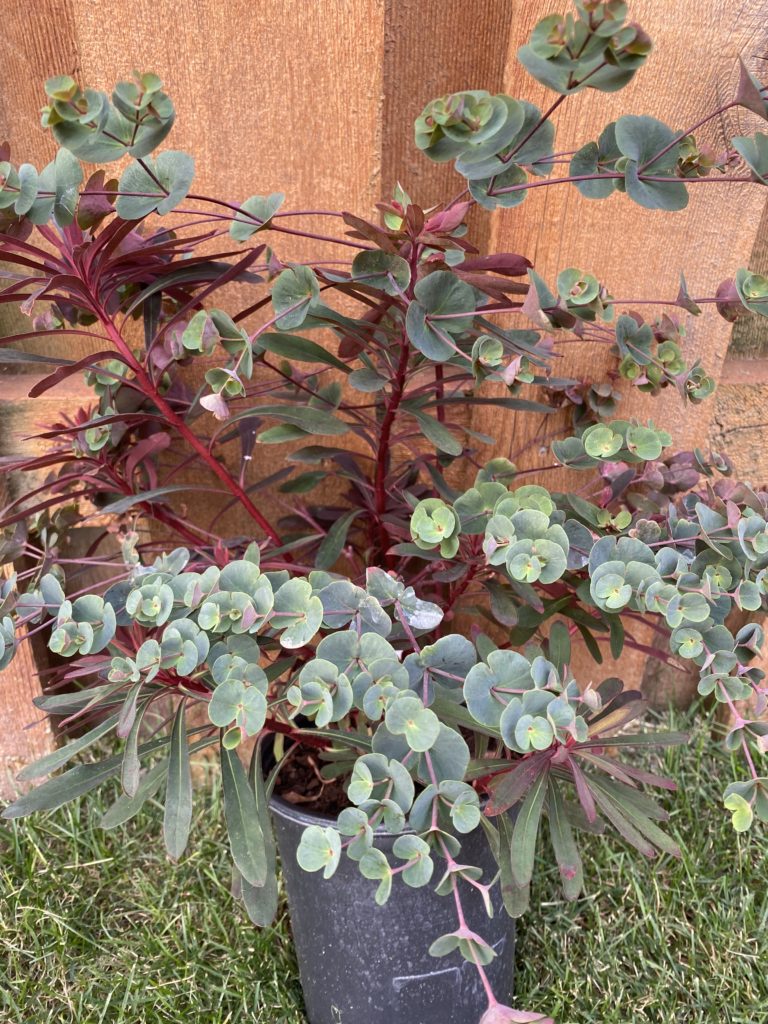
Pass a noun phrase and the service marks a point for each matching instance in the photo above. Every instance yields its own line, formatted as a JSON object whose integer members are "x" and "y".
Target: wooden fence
{"x": 317, "y": 98}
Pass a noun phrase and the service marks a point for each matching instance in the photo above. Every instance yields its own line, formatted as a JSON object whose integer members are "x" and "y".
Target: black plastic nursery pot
{"x": 364, "y": 964}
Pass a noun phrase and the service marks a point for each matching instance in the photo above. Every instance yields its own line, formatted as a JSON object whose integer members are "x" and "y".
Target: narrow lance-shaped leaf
{"x": 130, "y": 769}
{"x": 75, "y": 782}
{"x": 516, "y": 898}
{"x": 563, "y": 844}
{"x": 57, "y": 758}
{"x": 178, "y": 793}
{"x": 246, "y": 839}
{"x": 126, "y": 807}
{"x": 527, "y": 829}
{"x": 435, "y": 432}
{"x": 261, "y": 901}
{"x": 333, "y": 543}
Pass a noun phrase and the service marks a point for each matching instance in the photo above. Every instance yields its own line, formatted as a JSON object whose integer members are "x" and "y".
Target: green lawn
{"x": 99, "y": 927}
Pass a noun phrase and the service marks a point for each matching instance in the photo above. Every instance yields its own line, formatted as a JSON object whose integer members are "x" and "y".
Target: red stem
{"x": 183, "y": 430}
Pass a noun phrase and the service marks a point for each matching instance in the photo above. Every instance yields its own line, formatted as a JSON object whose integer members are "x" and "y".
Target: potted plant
{"x": 393, "y": 651}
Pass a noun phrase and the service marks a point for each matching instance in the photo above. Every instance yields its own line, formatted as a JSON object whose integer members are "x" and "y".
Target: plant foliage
{"x": 336, "y": 630}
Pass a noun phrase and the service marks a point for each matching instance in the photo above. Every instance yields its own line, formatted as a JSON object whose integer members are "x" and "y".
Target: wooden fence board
{"x": 627, "y": 247}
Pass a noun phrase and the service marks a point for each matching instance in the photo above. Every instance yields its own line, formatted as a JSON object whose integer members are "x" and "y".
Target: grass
{"x": 99, "y": 928}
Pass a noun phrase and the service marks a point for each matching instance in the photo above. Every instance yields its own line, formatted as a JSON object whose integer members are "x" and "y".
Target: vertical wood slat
{"x": 639, "y": 253}
{"x": 31, "y": 44}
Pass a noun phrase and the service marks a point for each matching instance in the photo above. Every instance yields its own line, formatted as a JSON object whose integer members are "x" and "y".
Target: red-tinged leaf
{"x": 146, "y": 449}
{"x": 59, "y": 332}
{"x": 499, "y": 1014}
{"x": 86, "y": 363}
{"x": 613, "y": 767}
{"x": 50, "y": 486}
{"x": 610, "y": 768}
{"x": 564, "y": 845}
{"x": 526, "y": 830}
{"x": 27, "y": 512}
{"x": 371, "y": 232}
{"x": 496, "y": 287}
{"x": 67, "y": 429}
{"x": 94, "y": 205}
{"x": 508, "y": 788}
{"x": 508, "y": 264}
{"x": 448, "y": 220}
{"x": 631, "y": 699}
{"x": 584, "y": 793}
{"x": 231, "y": 274}
{"x": 128, "y": 710}
{"x": 9, "y": 245}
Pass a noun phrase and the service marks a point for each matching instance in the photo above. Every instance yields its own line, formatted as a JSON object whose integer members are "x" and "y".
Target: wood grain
{"x": 637, "y": 252}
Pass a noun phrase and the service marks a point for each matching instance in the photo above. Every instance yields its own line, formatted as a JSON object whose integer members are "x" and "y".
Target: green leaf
{"x": 439, "y": 294}
{"x": 319, "y": 850}
{"x": 374, "y": 865}
{"x": 178, "y": 793}
{"x": 28, "y": 189}
{"x": 233, "y": 701}
{"x": 166, "y": 180}
{"x": 261, "y": 901}
{"x": 367, "y": 380}
{"x": 261, "y": 209}
{"x": 655, "y": 195}
{"x": 414, "y": 849}
{"x": 300, "y": 350}
{"x": 564, "y": 845}
{"x": 381, "y": 270}
{"x": 516, "y": 898}
{"x": 57, "y": 758}
{"x": 309, "y": 419}
{"x": 333, "y": 543}
{"x": 126, "y": 807}
{"x": 526, "y": 830}
{"x": 559, "y": 645}
{"x": 246, "y": 839}
{"x": 62, "y": 788}
{"x": 68, "y": 175}
{"x": 741, "y": 812}
{"x": 408, "y": 717}
{"x": 75, "y": 782}
{"x": 754, "y": 150}
{"x": 123, "y": 504}
{"x": 293, "y": 292}
{"x": 641, "y": 138}
{"x": 439, "y": 435}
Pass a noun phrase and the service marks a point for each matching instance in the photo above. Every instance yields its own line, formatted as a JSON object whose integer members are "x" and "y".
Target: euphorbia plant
{"x": 334, "y": 628}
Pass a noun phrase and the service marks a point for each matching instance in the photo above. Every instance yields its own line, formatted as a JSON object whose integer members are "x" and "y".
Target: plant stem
{"x": 383, "y": 447}
{"x": 183, "y": 430}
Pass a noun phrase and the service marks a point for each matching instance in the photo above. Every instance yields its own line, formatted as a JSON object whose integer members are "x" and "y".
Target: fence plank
{"x": 627, "y": 247}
